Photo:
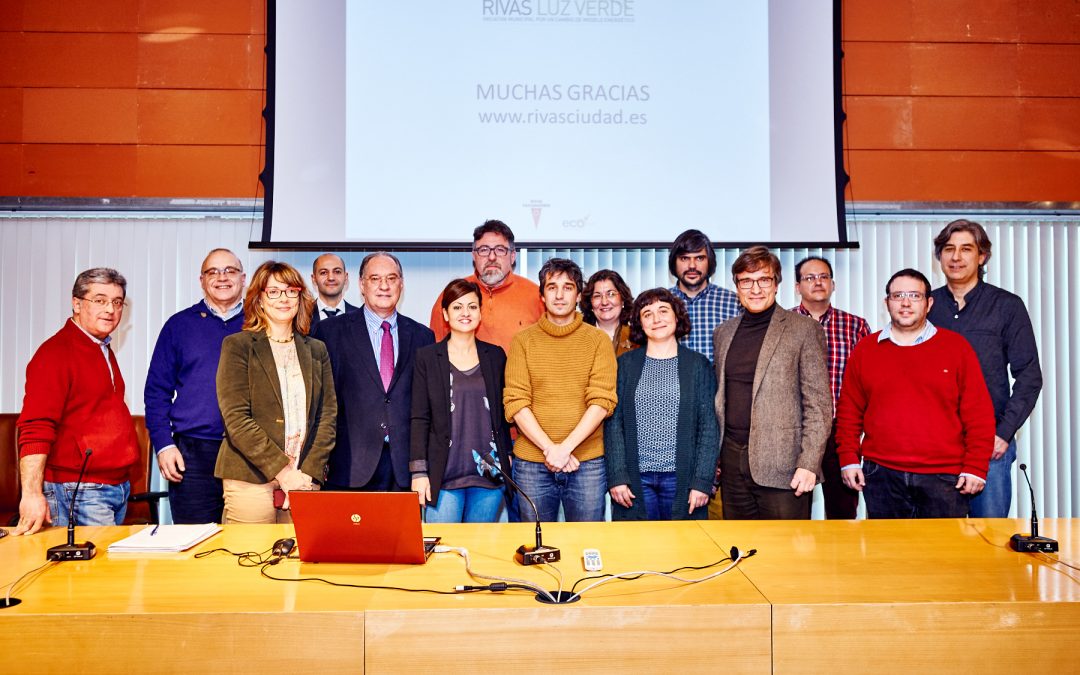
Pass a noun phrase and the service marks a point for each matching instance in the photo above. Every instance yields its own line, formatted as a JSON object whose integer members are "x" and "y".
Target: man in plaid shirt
{"x": 814, "y": 283}
{"x": 692, "y": 262}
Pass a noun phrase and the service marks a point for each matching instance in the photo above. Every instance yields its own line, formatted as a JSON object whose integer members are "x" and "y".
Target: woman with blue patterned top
{"x": 661, "y": 443}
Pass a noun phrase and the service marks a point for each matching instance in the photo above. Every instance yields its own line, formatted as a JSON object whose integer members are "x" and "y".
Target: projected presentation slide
{"x": 575, "y": 121}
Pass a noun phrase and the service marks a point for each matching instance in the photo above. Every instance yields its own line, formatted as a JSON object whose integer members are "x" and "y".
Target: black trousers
{"x": 744, "y": 499}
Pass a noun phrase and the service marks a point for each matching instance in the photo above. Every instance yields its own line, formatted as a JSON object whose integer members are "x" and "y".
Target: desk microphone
{"x": 525, "y": 555}
{"x": 71, "y": 550}
{"x": 1032, "y": 543}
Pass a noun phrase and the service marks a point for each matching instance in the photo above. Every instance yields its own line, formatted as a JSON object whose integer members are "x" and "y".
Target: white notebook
{"x": 166, "y": 539}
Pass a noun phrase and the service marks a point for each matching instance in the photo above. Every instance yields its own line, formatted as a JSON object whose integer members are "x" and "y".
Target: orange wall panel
{"x": 878, "y": 20}
{"x": 11, "y": 169}
{"x": 68, "y": 60}
{"x": 79, "y": 116}
{"x": 84, "y": 16}
{"x": 78, "y": 170}
{"x": 882, "y": 122}
{"x": 204, "y": 171}
{"x": 1049, "y": 70}
{"x": 11, "y": 115}
{"x": 876, "y": 68}
{"x": 11, "y": 14}
{"x": 1050, "y": 124}
{"x": 201, "y": 61}
{"x": 202, "y": 16}
{"x": 1049, "y": 21}
{"x": 178, "y": 116}
{"x": 958, "y": 123}
{"x": 962, "y": 20}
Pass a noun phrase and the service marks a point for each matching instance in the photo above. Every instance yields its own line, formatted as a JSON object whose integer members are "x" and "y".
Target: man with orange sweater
{"x": 74, "y": 409}
{"x": 914, "y": 406}
{"x": 560, "y": 386}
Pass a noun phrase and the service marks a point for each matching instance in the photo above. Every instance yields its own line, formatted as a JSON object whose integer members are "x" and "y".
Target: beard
{"x": 493, "y": 276}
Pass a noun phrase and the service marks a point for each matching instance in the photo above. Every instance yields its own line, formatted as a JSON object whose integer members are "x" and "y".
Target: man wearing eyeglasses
{"x": 74, "y": 409}
{"x": 180, "y": 396}
{"x": 372, "y": 353}
{"x": 915, "y": 409}
{"x": 331, "y": 280}
{"x": 511, "y": 302}
{"x": 773, "y": 403}
{"x": 815, "y": 287}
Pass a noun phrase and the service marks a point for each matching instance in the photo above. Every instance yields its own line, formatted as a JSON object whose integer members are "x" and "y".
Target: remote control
{"x": 591, "y": 558}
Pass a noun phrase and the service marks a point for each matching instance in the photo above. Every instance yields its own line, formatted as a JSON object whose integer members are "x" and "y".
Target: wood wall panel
{"x": 11, "y": 114}
{"x": 202, "y": 16}
{"x": 69, "y": 60}
{"x": 99, "y": 116}
{"x": 80, "y": 16}
{"x": 194, "y": 61}
{"x": 78, "y": 170}
{"x": 178, "y": 117}
{"x": 204, "y": 170}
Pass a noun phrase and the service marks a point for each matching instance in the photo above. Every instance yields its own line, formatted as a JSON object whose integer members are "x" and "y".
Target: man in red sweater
{"x": 74, "y": 409}
{"x": 916, "y": 396}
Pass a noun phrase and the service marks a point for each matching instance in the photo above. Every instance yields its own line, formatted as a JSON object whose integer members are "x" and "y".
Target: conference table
{"x": 817, "y": 596}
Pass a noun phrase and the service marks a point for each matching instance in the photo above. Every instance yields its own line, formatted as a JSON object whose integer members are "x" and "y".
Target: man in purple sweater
{"x": 182, "y": 413}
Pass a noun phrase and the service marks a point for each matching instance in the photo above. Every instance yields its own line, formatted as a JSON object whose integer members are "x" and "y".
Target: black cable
{"x": 262, "y": 571}
{"x": 245, "y": 559}
{"x": 721, "y": 561}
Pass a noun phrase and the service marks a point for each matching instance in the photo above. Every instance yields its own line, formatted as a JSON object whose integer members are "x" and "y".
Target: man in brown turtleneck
{"x": 773, "y": 402}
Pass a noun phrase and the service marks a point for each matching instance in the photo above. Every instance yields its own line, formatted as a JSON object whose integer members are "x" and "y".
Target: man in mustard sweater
{"x": 560, "y": 386}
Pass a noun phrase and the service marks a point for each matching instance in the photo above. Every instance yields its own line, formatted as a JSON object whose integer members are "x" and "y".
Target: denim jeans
{"x": 466, "y": 505}
{"x": 658, "y": 491}
{"x": 581, "y": 493}
{"x": 97, "y": 503}
{"x": 198, "y": 498}
{"x": 996, "y": 498}
{"x": 902, "y": 494}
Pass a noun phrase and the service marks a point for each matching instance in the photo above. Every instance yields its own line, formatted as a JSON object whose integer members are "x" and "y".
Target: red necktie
{"x": 386, "y": 356}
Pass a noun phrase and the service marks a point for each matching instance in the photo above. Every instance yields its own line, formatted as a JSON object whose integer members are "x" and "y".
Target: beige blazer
{"x": 249, "y": 396}
{"x": 791, "y": 413}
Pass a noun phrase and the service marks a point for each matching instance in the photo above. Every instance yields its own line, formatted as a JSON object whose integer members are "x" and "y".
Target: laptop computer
{"x": 359, "y": 527}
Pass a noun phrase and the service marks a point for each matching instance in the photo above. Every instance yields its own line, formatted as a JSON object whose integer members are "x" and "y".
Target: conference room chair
{"x": 9, "y": 470}
{"x": 143, "y": 504}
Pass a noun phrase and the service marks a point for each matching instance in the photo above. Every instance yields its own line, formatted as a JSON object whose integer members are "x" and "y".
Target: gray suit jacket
{"x": 791, "y": 414}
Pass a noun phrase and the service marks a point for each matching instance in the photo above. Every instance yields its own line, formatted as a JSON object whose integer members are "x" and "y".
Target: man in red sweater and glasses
{"x": 914, "y": 406}
{"x": 74, "y": 404}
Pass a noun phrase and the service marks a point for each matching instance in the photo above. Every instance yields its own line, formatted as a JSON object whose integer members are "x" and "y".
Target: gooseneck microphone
{"x": 1032, "y": 543}
{"x": 71, "y": 550}
{"x": 525, "y": 554}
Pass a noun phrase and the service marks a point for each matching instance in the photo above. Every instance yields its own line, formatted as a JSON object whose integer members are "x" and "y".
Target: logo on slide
{"x": 536, "y": 206}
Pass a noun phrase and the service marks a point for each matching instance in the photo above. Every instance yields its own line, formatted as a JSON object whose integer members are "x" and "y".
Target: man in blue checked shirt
{"x": 692, "y": 262}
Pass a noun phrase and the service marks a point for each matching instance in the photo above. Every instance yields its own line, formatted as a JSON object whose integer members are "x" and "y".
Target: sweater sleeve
{"x": 47, "y": 384}
{"x": 160, "y": 388}
{"x": 618, "y": 473}
{"x": 601, "y": 387}
{"x": 517, "y": 394}
{"x": 852, "y": 407}
{"x": 976, "y": 414}
{"x": 707, "y": 434}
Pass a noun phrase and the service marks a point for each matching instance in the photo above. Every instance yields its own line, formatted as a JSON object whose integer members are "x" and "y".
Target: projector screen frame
{"x": 266, "y": 177}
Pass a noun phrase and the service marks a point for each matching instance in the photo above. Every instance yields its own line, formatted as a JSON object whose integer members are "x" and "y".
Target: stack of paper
{"x": 164, "y": 538}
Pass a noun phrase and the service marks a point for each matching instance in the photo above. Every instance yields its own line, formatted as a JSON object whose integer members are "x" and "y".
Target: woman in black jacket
{"x": 457, "y": 415}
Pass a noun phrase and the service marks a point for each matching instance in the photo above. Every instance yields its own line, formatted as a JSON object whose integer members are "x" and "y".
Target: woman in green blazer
{"x": 276, "y": 395}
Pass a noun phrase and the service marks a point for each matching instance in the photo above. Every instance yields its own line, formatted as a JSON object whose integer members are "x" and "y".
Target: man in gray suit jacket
{"x": 773, "y": 403}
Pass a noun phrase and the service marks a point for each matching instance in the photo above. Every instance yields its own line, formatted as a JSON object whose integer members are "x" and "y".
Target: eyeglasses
{"x": 899, "y": 296}
{"x": 811, "y": 278}
{"x": 105, "y": 302}
{"x": 485, "y": 251}
{"x": 377, "y": 280}
{"x": 221, "y": 271}
{"x": 610, "y": 295}
{"x": 763, "y": 283}
{"x": 275, "y": 293}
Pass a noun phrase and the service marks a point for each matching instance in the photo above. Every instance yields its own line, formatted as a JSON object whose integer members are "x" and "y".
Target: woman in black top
{"x": 457, "y": 416}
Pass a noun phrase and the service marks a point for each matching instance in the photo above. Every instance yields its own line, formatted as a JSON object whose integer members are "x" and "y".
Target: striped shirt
{"x": 842, "y": 332}
{"x": 708, "y": 309}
